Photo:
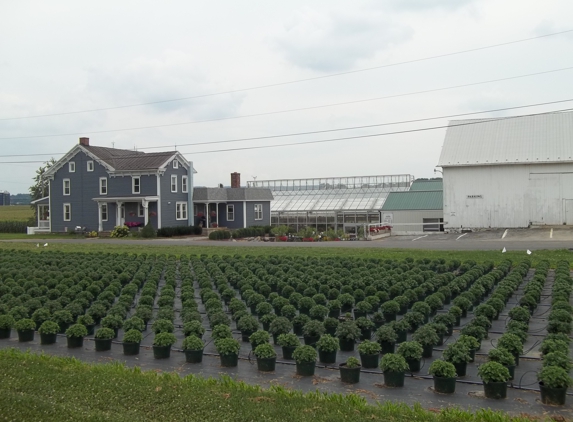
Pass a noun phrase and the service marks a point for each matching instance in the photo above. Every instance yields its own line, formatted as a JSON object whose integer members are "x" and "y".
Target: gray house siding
{"x": 122, "y": 186}
{"x": 169, "y": 199}
{"x": 237, "y": 222}
{"x": 266, "y": 221}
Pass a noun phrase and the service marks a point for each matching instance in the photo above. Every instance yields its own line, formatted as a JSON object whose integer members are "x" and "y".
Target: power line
{"x": 321, "y": 131}
{"x": 332, "y": 75}
{"x": 296, "y": 109}
{"x": 341, "y": 139}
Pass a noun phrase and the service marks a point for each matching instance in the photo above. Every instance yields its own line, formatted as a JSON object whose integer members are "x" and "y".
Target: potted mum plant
{"x": 131, "y": 341}
{"x": 390, "y": 309}
{"x": 458, "y": 354}
{"x": 103, "y": 338}
{"x": 134, "y": 323}
{"x": 75, "y": 335}
{"x": 512, "y": 344}
{"x": 312, "y": 331}
{"x": 378, "y": 319}
{"x": 553, "y": 383}
{"x": 259, "y": 337}
{"x": 456, "y": 312}
{"x": 327, "y": 347}
{"x": 193, "y": 348}
{"x": 411, "y": 351}
{"x": 162, "y": 343}
{"x": 448, "y": 320}
{"x": 393, "y": 367}
{"x": 414, "y": 320}
{"x": 299, "y": 322}
{"x": 247, "y": 325}
{"x": 228, "y": 349}
{"x": 348, "y": 333}
{"x": 115, "y": 322}
{"x": 330, "y": 325}
{"x": 365, "y": 325}
{"x": 193, "y": 328}
{"x": 25, "y": 328}
{"x": 64, "y": 319}
{"x": 369, "y": 353}
{"x": 472, "y": 344}
{"x": 266, "y": 357}
{"x": 334, "y": 308}
{"x": 48, "y": 332}
{"x": 503, "y": 356}
{"x": 267, "y": 319}
{"x": 494, "y": 376}
{"x": 288, "y": 342}
{"x": 386, "y": 337}
{"x": 279, "y": 326}
{"x": 401, "y": 327}
{"x": 428, "y": 338}
{"x": 350, "y": 370}
{"x": 305, "y": 358}
{"x": 88, "y": 321}
{"x": 6, "y": 324}
{"x": 444, "y": 374}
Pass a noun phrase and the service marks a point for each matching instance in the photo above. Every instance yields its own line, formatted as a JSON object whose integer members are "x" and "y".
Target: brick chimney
{"x": 235, "y": 180}
{"x": 85, "y": 141}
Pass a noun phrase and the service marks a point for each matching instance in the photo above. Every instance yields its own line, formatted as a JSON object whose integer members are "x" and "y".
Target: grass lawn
{"x": 46, "y": 388}
{"x": 16, "y": 213}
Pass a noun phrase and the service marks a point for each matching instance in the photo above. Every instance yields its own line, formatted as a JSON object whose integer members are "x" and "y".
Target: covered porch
{"x": 128, "y": 211}
{"x": 206, "y": 214}
{"x": 42, "y": 216}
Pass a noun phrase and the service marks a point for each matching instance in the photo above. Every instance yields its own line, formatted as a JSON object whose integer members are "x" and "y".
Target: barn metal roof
{"x": 544, "y": 138}
{"x": 414, "y": 200}
{"x": 427, "y": 184}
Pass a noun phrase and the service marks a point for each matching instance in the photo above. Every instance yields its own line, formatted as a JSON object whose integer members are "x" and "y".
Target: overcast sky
{"x": 68, "y": 56}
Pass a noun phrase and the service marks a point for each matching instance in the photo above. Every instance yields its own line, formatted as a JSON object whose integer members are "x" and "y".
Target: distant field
{"x": 16, "y": 213}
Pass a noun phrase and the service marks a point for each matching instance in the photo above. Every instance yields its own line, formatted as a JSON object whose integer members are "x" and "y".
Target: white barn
{"x": 508, "y": 173}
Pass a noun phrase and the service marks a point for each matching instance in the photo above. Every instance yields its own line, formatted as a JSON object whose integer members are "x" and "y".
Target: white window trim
{"x": 175, "y": 164}
{"x": 232, "y": 212}
{"x": 140, "y": 210}
{"x": 104, "y": 205}
{"x": 183, "y": 207}
{"x": 72, "y": 166}
{"x": 261, "y": 212}
{"x": 133, "y": 179}
{"x": 70, "y": 207}
{"x": 90, "y": 165}
{"x": 64, "y": 187}
{"x": 184, "y": 184}
{"x": 173, "y": 177}
{"x": 101, "y": 192}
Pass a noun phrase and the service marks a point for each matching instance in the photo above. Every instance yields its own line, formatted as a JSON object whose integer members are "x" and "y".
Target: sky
{"x": 265, "y": 68}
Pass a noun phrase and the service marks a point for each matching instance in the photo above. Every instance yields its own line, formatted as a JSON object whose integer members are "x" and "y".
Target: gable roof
{"x": 427, "y": 184}
{"x": 414, "y": 200}
{"x": 125, "y": 160}
{"x": 232, "y": 194}
{"x": 543, "y": 138}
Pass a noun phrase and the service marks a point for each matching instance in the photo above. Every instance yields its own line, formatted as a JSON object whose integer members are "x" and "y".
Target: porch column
{"x": 217, "y": 215}
{"x": 145, "y": 206}
{"x": 118, "y": 205}
{"x": 207, "y": 216}
{"x": 99, "y": 220}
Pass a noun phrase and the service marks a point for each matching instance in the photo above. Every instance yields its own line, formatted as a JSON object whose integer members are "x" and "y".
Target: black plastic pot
{"x": 444, "y": 385}
{"x": 413, "y": 328}
{"x": 349, "y": 375}
{"x": 102, "y": 345}
{"x": 516, "y": 358}
{"x": 75, "y": 342}
{"x": 450, "y": 330}
{"x": 555, "y": 396}
{"x": 304, "y": 311}
{"x": 440, "y": 340}
{"x": 464, "y": 313}
{"x": 193, "y": 356}
{"x": 458, "y": 321}
{"x": 327, "y": 357}
{"x": 331, "y": 331}
{"x": 394, "y": 379}
{"x": 428, "y": 350}
{"x": 370, "y": 361}
{"x": 5, "y": 333}
{"x": 229, "y": 361}
{"x": 91, "y": 329}
{"x": 389, "y": 316}
{"x": 359, "y": 314}
{"x": 297, "y": 328}
{"x": 305, "y": 369}
{"x": 472, "y": 355}
{"x": 25, "y": 335}
{"x": 311, "y": 340}
{"x": 275, "y": 338}
{"x": 403, "y": 310}
{"x": 161, "y": 352}
{"x": 245, "y": 335}
{"x": 414, "y": 364}
{"x": 63, "y": 327}
{"x": 461, "y": 368}
{"x": 48, "y": 338}
{"x": 131, "y": 349}
{"x": 495, "y": 390}
{"x": 266, "y": 326}
{"x": 287, "y": 352}
{"x": 402, "y": 336}
{"x": 387, "y": 347}
{"x": 346, "y": 308}
{"x": 366, "y": 334}
{"x": 511, "y": 369}
{"x": 346, "y": 345}
{"x": 266, "y": 364}
{"x": 334, "y": 313}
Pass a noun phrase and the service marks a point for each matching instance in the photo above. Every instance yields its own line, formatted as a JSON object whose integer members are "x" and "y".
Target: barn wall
{"x": 410, "y": 222}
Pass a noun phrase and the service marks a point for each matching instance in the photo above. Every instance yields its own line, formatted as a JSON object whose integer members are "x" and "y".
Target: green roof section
{"x": 413, "y": 201}
{"x": 427, "y": 184}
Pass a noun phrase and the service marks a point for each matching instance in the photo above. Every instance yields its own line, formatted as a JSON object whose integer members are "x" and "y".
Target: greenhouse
{"x": 335, "y": 203}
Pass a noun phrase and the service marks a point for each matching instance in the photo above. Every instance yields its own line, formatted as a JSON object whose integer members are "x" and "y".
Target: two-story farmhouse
{"x": 98, "y": 188}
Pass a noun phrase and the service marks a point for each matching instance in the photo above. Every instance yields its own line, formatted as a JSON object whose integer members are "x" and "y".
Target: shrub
{"x": 288, "y": 340}
{"x": 193, "y": 328}
{"x": 442, "y": 369}
{"x": 164, "y": 339}
{"x": 511, "y": 343}
{"x": 368, "y": 347}
{"x": 456, "y": 311}
{"x": 386, "y": 333}
{"x": 86, "y": 320}
{"x": 193, "y": 343}
{"x": 493, "y": 372}
{"x": 410, "y": 350}
{"x": 6, "y": 322}
{"x": 248, "y": 324}
{"x": 457, "y": 352}
{"x": 120, "y": 231}
{"x": 162, "y": 326}
{"x": 549, "y": 346}
{"x": 259, "y": 337}
{"x": 280, "y": 325}
{"x": 221, "y": 331}
{"x": 318, "y": 312}
{"x": 520, "y": 313}
{"x": 313, "y": 328}
{"x": 148, "y": 231}
{"x": 134, "y": 323}
{"x": 554, "y": 377}
{"x": 179, "y": 231}
{"x": 112, "y": 321}
{"x": 328, "y": 343}
{"x": 426, "y": 335}
{"x": 220, "y": 235}
{"x": 63, "y": 317}
{"x": 25, "y": 324}
{"x": 132, "y": 336}
{"x": 77, "y": 330}
{"x": 502, "y": 356}
{"x": 227, "y": 346}
{"x": 446, "y": 319}
{"x": 348, "y": 330}
{"x": 304, "y": 354}
{"x": 265, "y": 351}
{"x": 559, "y": 359}
{"x": 352, "y": 362}
{"x": 392, "y": 362}
{"x": 105, "y": 334}
{"x": 49, "y": 327}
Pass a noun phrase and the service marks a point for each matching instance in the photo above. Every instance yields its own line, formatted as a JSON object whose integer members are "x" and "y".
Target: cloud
{"x": 428, "y": 4}
{"x": 336, "y": 41}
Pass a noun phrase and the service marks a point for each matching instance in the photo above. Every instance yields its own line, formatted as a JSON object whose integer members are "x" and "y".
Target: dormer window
{"x": 72, "y": 167}
{"x": 135, "y": 185}
{"x": 90, "y": 166}
{"x": 175, "y": 164}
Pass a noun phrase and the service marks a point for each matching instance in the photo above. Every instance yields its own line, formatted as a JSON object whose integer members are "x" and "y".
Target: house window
{"x": 135, "y": 185}
{"x": 67, "y": 212}
{"x": 72, "y": 167}
{"x": 184, "y": 187}
{"x": 90, "y": 166}
{"x": 175, "y": 164}
{"x": 103, "y": 186}
{"x": 140, "y": 210}
{"x": 230, "y": 213}
{"x": 174, "y": 183}
{"x": 258, "y": 211}
{"x": 181, "y": 211}
{"x": 103, "y": 212}
{"x": 67, "y": 187}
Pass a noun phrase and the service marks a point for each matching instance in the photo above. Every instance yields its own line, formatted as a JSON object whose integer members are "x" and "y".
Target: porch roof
{"x": 43, "y": 200}
{"x": 126, "y": 199}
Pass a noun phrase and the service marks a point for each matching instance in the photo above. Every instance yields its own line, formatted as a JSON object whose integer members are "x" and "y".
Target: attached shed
{"x": 416, "y": 211}
{"x": 508, "y": 173}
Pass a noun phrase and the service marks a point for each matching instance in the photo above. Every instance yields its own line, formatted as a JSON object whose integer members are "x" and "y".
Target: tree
{"x": 41, "y": 187}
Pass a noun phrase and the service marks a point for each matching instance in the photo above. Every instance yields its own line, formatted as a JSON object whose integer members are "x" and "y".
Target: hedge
{"x": 179, "y": 231}
{"x": 253, "y": 231}
{"x": 220, "y": 235}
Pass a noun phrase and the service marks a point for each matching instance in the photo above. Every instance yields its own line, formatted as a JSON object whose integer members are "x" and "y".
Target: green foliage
{"x": 520, "y": 313}
{"x": 134, "y": 323}
{"x": 179, "y": 231}
{"x": 511, "y": 343}
{"x": 164, "y": 339}
{"x": 443, "y": 369}
{"x": 193, "y": 328}
{"x": 77, "y": 330}
{"x": 132, "y": 336}
{"x": 280, "y": 325}
{"x": 502, "y": 356}
{"x": 387, "y": 334}
{"x": 148, "y": 231}
{"x": 49, "y": 327}
{"x": 493, "y": 372}
{"x": 259, "y": 337}
{"x": 288, "y": 340}
{"x": 248, "y": 324}
{"x": 303, "y": 354}
{"x": 25, "y": 324}
{"x": 368, "y": 347}
{"x": 550, "y": 345}
{"x": 328, "y": 343}
{"x": 227, "y": 346}
{"x": 411, "y": 350}
{"x": 313, "y": 328}
{"x": 348, "y": 330}
{"x": 426, "y": 335}
{"x": 85, "y": 320}
{"x": 221, "y": 331}
{"x": 392, "y": 362}
{"x": 352, "y": 362}
{"x": 554, "y": 377}
{"x": 193, "y": 343}
{"x": 220, "y": 235}
{"x": 112, "y": 321}
{"x": 457, "y": 352}
{"x": 120, "y": 231}
{"x": 265, "y": 351}
{"x": 559, "y": 359}
{"x": 6, "y": 322}
{"x": 105, "y": 333}
{"x": 161, "y": 326}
